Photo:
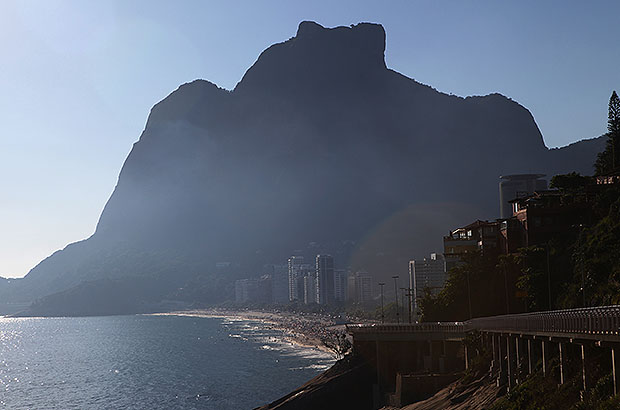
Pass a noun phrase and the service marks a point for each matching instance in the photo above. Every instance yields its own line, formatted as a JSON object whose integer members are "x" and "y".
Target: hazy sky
{"x": 78, "y": 78}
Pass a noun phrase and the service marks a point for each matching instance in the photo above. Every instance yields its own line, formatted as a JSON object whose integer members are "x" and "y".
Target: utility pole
{"x": 402, "y": 300}
{"x": 409, "y": 293}
{"x": 382, "y": 284}
{"x": 396, "y": 297}
{"x": 549, "y": 275}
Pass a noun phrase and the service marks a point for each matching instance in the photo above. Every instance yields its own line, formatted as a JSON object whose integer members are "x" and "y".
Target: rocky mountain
{"x": 320, "y": 146}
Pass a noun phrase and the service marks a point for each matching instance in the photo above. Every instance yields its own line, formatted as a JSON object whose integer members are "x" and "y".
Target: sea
{"x": 149, "y": 362}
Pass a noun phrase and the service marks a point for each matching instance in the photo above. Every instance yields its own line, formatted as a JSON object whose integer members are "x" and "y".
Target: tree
{"x": 338, "y": 343}
{"x": 609, "y": 160}
{"x": 572, "y": 182}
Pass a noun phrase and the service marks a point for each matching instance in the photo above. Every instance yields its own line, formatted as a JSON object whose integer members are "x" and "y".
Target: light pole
{"x": 402, "y": 303}
{"x": 407, "y": 292}
{"x": 396, "y": 297}
{"x": 381, "y": 284}
{"x": 548, "y": 274}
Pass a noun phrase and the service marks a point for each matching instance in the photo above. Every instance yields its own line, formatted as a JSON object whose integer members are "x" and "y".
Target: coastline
{"x": 301, "y": 329}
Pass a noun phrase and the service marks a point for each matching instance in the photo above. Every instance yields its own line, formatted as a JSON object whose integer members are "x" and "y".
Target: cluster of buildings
{"x": 306, "y": 283}
{"x": 531, "y": 215}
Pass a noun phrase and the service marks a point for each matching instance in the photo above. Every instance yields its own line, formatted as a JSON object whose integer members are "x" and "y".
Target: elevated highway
{"x": 516, "y": 342}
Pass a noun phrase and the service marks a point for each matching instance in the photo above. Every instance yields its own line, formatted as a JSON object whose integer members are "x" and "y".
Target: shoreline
{"x": 301, "y": 329}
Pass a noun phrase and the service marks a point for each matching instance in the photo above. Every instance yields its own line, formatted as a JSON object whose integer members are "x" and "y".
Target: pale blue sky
{"x": 77, "y": 80}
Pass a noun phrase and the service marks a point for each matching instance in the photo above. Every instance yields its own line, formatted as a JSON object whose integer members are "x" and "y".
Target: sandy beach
{"x": 299, "y": 328}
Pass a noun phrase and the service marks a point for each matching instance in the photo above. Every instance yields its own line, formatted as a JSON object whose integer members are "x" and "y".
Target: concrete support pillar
{"x": 501, "y": 377}
{"x": 613, "y": 370}
{"x": 376, "y": 388}
{"x": 544, "y": 358}
{"x": 583, "y": 368}
{"x": 466, "y": 357}
{"x": 430, "y": 353}
{"x": 518, "y": 357}
{"x": 561, "y": 363}
{"x": 529, "y": 356}
{"x": 509, "y": 365}
{"x": 494, "y": 364}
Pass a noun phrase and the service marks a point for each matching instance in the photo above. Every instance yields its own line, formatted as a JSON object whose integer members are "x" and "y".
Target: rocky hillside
{"x": 320, "y": 143}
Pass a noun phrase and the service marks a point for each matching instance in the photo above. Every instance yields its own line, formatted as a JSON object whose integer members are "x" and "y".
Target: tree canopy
{"x": 609, "y": 160}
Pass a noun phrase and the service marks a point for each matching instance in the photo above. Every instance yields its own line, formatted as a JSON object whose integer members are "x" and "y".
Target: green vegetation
{"x": 338, "y": 343}
{"x": 543, "y": 393}
{"x": 609, "y": 160}
{"x": 580, "y": 267}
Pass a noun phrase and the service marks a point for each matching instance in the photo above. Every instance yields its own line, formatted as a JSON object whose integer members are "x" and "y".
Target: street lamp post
{"x": 381, "y": 284}
{"x": 396, "y": 297}
{"x": 409, "y": 293}
{"x": 402, "y": 303}
{"x": 548, "y": 275}
{"x": 468, "y": 294}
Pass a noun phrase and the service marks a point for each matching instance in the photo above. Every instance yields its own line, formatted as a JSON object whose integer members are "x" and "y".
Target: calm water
{"x": 147, "y": 362}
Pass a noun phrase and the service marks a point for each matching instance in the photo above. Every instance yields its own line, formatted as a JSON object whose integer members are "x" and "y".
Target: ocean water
{"x": 148, "y": 362}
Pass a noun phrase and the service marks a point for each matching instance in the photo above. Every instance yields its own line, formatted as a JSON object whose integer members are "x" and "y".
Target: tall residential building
{"x": 295, "y": 278}
{"x": 245, "y": 290}
{"x": 340, "y": 285}
{"x": 279, "y": 283}
{"x": 516, "y": 186}
{"x": 362, "y": 292}
{"x": 324, "y": 279}
{"x": 351, "y": 288}
{"x": 427, "y": 273}
{"x": 310, "y": 288}
{"x": 297, "y": 271}
{"x": 253, "y": 290}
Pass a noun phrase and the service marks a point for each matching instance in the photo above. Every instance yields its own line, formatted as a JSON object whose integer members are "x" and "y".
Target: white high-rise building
{"x": 324, "y": 279}
{"x": 427, "y": 273}
{"x": 340, "y": 285}
{"x": 279, "y": 282}
{"x": 362, "y": 282}
{"x": 310, "y": 288}
{"x": 295, "y": 278}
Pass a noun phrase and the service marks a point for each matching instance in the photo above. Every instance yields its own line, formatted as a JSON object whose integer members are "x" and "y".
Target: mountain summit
{"x": 319, "y": 148}
{"x": 318, "y": 57}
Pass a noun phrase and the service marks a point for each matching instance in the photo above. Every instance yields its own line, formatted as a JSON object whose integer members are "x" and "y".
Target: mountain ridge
{"x": 318, "y": 142}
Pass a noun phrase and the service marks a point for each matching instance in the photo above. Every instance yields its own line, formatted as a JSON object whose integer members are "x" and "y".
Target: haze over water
{"x": 148, "y": 362}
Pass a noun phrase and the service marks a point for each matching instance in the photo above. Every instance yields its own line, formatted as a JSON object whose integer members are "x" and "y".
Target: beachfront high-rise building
{"x": 324, "y": 279}
{"x": 245, "y": 290}
{"x": 310, "y": 286}
{"x": 279, "y": 282}
{"x": 295, "y": 278}
{"x": 340, "y": 285}
{"x": 253, "y": 290}
{"x": 427, "y": 273}
{"x": 362, "y": 287}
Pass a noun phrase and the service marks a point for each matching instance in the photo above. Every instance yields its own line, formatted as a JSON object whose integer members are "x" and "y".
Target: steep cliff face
{"x": 319, "y": 142}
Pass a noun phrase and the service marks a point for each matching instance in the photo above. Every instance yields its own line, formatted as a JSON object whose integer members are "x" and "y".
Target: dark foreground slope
{"x": 346, "y": 385}
{"x": 320, "y": 143}
{"x": 349, "y": 385}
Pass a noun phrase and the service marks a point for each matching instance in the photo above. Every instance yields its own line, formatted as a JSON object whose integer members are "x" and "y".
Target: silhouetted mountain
{"x": 319, "y": 142}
